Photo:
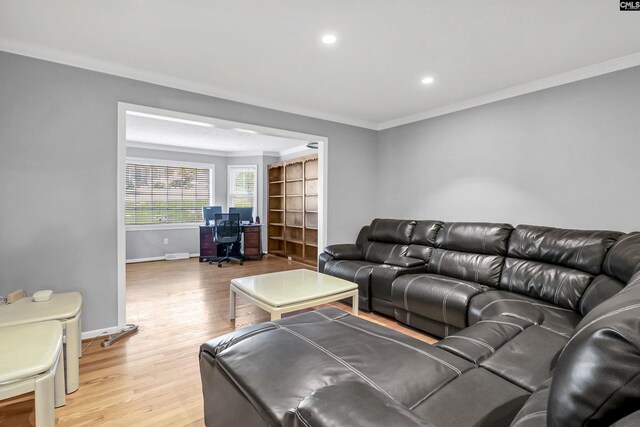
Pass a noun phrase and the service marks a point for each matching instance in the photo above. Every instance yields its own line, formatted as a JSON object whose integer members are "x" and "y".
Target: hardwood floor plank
{"x": 152, "y": 378}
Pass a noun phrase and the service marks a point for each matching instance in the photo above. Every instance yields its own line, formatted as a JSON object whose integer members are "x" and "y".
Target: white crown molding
{"x": 173, "y": 148}
{"x": 190, "y": 150}
{"x": 89, "y": 63}
{"x": 617, "y": 64}
{"x": 296, "y": 150}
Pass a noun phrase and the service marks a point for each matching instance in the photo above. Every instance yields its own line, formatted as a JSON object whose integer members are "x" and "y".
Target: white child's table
{"x": 65, "y": 308}
{"x": 31, "y": 360}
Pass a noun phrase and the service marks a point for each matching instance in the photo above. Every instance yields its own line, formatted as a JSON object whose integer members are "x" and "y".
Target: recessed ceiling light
{"x": 427, "y": 80}
{"x": 169, "y": 119}
{"x": 244, "y": 130}
{"x": 329, "y": 39}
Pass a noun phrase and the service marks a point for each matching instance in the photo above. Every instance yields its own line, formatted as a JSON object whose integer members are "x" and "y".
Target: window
{"x": 242, "y": 187}
{"x": 160, "y": 194}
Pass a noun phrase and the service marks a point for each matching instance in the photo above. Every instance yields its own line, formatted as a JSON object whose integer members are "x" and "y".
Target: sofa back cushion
{"x": 622, "y": 260}
{"x": 387, "y": 238}
{"x": 426, "y": 232}
{"x": 471, "y": 251}
{"x": 597, "y": 377}
{"x": 624, "y": 257}
{"x": 391, "y": 231}
{"x": 577, "y": 249}
{"x": 475, "y": 237}
{"x": 423, "y": 239}
{"x": 554, "y": 264}
{"x": 601, "y": 288}
{"x": 558, "y": 285}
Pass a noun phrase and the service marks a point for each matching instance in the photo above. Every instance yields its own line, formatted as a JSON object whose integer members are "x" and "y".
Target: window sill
{"x": 152, "y": 227}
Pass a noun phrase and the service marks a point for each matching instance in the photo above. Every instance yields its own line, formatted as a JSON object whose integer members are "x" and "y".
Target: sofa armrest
{"x": 216, "y": 345}
{"x": 353, "y": 404}
{"x": 344, "y": 251}
{"x": 405, "y": 261}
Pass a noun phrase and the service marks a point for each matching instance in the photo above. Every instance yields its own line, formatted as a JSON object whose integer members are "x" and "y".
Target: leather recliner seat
{"x": 467, "y": 260}
{"x": 379, "y": 256}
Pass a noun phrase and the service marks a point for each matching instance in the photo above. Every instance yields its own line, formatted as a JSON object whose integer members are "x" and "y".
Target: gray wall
{"x": 566, "y": 156}
{"x": 58, "y": 132}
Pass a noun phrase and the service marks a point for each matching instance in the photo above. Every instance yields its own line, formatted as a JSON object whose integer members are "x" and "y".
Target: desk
{"x": 251, "y": 243}
{"x": 66, "y": 308}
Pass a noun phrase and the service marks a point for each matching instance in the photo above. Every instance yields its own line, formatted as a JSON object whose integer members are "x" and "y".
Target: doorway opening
{"x": 164, "y": 154}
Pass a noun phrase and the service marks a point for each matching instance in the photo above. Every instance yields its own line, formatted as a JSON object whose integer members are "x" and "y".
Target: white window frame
{"x": 177, "y": 164}
{"x": 255, "y": 186}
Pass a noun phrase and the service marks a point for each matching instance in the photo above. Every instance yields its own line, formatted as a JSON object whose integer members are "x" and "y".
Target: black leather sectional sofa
{"x": 541, "y": 327}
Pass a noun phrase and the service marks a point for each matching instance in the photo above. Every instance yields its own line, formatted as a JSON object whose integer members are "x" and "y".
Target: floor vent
{"x": 177, "y": 255}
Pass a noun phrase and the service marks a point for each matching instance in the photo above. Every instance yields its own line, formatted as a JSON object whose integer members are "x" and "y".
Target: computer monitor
{"x": 246, "y": 214}
{"x": 208, "y": 212}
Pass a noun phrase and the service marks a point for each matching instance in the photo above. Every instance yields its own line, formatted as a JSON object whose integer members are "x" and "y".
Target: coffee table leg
{"x": 232, "y": 304}
{"x": 354, "y": 304}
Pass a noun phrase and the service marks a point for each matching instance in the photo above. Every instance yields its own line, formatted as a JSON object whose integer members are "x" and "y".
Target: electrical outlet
{"x": 166, "y": 240}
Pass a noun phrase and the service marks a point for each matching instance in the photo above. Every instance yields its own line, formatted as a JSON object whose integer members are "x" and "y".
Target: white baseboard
{"x": 98, "y": 332}
{"x": 154, "y": 258}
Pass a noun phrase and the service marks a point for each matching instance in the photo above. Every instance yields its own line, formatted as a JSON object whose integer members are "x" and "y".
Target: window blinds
{"x": 165, "y": 194}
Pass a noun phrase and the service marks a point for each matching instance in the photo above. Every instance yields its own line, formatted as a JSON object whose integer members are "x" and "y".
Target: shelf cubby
{"x": 276, "y": 217}
{"x": 293, "y": 171}
{"x": 276, "y": 173}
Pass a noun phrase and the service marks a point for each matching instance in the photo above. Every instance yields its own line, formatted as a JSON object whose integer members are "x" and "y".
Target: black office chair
{"x": 227, "y": 232}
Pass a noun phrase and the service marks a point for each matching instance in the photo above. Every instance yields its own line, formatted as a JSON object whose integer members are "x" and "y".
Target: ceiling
{"x": 155, "y": 132}
{"x": 269, "y": 53}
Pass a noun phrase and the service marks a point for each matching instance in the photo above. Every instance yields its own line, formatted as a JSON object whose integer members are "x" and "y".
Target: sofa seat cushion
{"x": 357, "y": 271}
{"x": 534, "y": 411}
{"x": 481, "y": 340}
{"x": 528, "y": 359}
{"x": 475, "y": 398}
{"x": 436, "y": 297}
{"x": 489, "y": 304}
{"x": 312, "y": 350}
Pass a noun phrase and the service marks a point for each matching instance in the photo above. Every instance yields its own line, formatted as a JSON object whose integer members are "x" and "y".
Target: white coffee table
{"x": 288, "y": 291}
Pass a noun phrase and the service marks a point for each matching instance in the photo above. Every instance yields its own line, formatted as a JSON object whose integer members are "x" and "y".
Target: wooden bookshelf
{"x": 292, "y": 222}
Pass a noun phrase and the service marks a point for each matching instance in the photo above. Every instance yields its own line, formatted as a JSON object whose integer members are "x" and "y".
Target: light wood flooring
{"x": 152, "y": 378}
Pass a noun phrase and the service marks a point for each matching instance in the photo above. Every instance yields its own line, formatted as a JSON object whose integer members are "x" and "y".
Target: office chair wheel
{"x": 210, "y": 262}
{"x": 241, "y": 262}
{"x": 219, "y": 265}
